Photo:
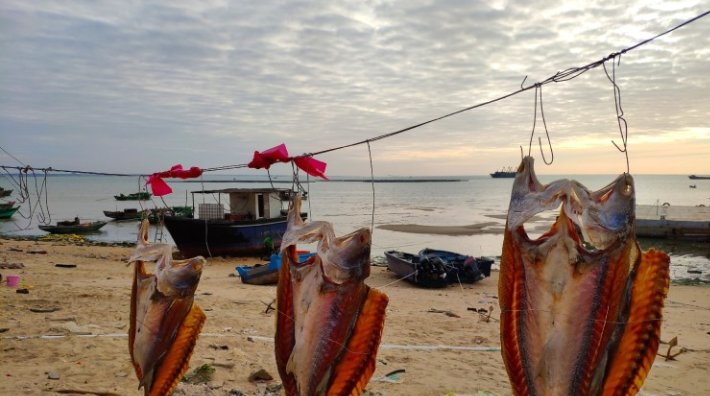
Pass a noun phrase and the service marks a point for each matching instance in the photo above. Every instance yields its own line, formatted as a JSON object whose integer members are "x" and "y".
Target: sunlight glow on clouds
{"x": 209, "y": 82}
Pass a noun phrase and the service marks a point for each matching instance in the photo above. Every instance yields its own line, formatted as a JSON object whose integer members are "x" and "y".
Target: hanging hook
{"x": 621, "y": 121}
{"x": 547, "y": 133}
{"x": 532, "y": 133}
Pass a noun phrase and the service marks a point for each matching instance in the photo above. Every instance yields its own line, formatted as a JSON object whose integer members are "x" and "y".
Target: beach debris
{"x": 236, "y": 392}
{"x": 14, "y": 249}
{"x": 65, "y": 265}
{"x": 165, "y": 322}
{"x": 391, "y": 376}
{"x": 45, "y": 310}
{"x": 22, "y": 291}
{"x": 672, "y": 343}
{"x": 37, "y": 251}
{"x": 3, "y": 329}
{"x": 223, "y": 347}
{"x": 84, "y": 392}
{"x": 575, "y": 321}
{"x": 53, "y": 375}
{"x": 11, "y": 266}
{"x": 329, "y": 322}
{"x": 269, "y": 306}
{"x": 260, "y": 375}
{"x": 200, "y": 375}
{"x": 450, "y": 314}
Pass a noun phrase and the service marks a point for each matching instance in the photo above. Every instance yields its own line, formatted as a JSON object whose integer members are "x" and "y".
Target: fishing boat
{"x": 695, "y": 177}
{"x": 156, "y": 216}
{"x": 267, "y": 274}
{"x": 460, "y": 267}
{"x": 125, "y": 214}
{"x": 6, "y": 213}
{"x": 429, "y": 273}
{"x": 5, "y": 193}
{"x": 7, "y": 205}
{"x": 240, "y": 229}
{"x": 71, "y": 227}
{"x": 506, "y": 173}
{"x": 139, "y": 196}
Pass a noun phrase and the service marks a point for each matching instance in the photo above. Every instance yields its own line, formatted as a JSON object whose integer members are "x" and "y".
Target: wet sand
{"x": 93, "y": 309}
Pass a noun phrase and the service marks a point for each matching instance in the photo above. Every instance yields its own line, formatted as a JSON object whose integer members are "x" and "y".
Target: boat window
{"x": 259, "y": 206}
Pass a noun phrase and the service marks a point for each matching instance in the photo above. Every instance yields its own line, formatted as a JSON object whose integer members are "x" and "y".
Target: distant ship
{"x": 694, "y": 177}
{"x": 505, "y": 173}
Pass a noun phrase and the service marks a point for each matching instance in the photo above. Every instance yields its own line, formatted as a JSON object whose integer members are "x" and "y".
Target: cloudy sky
{"x": 139, "y": 86}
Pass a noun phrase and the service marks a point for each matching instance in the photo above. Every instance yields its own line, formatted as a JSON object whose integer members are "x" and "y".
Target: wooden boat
{"x": 267, "y": 274}
{"x": 5, "y": 193}
{"x": 139, "y": 196}
{"x": 253, "y": 214}
{"x": 7, "y": 205}
{"x": 125, "y": 214}
{"x": 70, "y": 227}
{"x": 426, "y": 273}
{"x": 6, "y": 213}
{"x": 460, "y": 267}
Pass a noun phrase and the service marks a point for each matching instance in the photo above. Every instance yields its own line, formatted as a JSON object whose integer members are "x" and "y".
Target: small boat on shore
{"x": 6, "y": 213}
{"x": 125, "y": 214}
{"x": 139, "y": 196}
{"x": 7, "y": 205}
{"x": 460, "y": 267}
{"x": 71, "y": 227}
{"x": 5, "y": 193}
{"x": 267, "y": 274}
{"x": 252, "y": 216}
{"x": 429, "y": 273}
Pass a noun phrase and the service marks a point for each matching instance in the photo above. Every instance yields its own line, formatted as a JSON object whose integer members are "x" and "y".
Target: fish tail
{"x": 177, "y": 359}
{"x": 640, "y": 340}
{"x": 357, "y": 364}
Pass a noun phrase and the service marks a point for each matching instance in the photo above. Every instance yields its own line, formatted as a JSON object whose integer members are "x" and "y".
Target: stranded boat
{"x": 267, "y": 274}
{"x": 139, "y": 196}
{"x": 430, "y": 273}
{"x": 460, "y": 267}
{"x": 251, "y": 216}
{"x": 72, "y": 227}
{"x": 7, "y": 212}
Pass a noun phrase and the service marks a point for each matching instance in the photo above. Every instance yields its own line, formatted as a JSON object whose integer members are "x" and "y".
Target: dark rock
{"x": 260, "y": 375}
{"x": 236, "y": 392}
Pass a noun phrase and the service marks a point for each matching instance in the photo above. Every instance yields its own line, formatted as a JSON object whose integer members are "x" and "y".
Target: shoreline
{"x": 93, "y": 301}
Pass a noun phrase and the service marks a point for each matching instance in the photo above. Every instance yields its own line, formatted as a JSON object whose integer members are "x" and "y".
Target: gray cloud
{"x": 139, "y": 87}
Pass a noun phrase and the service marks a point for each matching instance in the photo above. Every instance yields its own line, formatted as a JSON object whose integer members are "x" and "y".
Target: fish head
{"x": 179, "y": 278}
{"x": 606, "y": 215}
{"x": 530, "y": 197}
{"x": 346, "y": 257}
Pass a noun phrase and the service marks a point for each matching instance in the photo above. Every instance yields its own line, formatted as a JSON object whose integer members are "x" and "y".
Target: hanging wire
{"x": 372, "y": 178}
{"x": 620, "y": 120}
{"x": 538, "y": 92}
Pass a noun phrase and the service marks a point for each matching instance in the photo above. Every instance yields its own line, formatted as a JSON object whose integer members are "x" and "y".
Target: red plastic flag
{"x": 311, "y": 166}
{"x": 269, "y": 157}
{"x": 160, "y": 188}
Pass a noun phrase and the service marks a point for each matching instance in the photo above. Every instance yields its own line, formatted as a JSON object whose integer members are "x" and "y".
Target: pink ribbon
{"x": 161, "y": 188}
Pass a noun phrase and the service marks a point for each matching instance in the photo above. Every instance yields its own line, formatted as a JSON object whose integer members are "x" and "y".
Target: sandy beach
{"x": 440, "y": 353}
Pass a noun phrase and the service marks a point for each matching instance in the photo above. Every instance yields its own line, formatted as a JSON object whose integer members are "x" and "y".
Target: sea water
{"x": 349, "y": 206}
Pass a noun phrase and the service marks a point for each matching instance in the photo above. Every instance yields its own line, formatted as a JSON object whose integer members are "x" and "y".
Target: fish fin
{"x": 639, "y": 343}
{"x": 177, "y": 359}
{"x": 356, "y": 365}
{"x": 511, "y": 288}
{"x": 285, "y": 335}
{"x": 138, "y": 275}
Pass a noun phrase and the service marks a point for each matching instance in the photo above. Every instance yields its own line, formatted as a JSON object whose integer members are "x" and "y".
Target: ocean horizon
{"x": 446, "y": 201}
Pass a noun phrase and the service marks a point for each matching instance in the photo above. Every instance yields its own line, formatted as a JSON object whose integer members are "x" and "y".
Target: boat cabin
{"x": 242, "y": 203}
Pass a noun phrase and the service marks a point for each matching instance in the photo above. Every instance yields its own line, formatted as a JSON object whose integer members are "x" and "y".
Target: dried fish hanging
{"x": 577, "y": 321}
{"x": 165, "y": 321}
{"x": 329, "y": 323}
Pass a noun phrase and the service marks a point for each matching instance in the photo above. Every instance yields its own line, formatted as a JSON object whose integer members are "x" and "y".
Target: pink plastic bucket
{"x": 13, "y": 280}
